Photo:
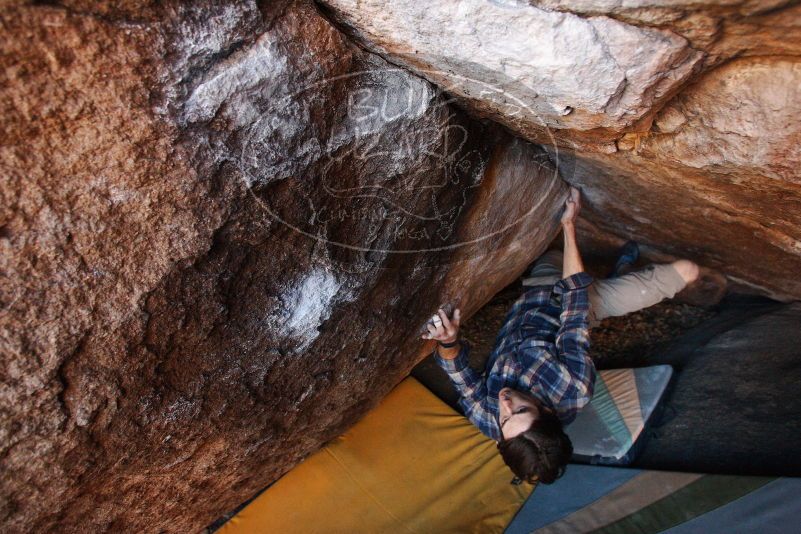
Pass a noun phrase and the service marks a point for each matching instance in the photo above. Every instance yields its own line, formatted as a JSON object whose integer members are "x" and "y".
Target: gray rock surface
{"x": 533, "y": 69}
{"x": 733, "y": 408}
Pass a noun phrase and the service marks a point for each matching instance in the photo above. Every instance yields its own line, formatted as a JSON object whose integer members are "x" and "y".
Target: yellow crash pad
{"x": 412, "y": 465}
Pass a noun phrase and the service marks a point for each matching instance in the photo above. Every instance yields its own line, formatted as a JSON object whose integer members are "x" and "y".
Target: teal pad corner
{"x": 608, "y": 428}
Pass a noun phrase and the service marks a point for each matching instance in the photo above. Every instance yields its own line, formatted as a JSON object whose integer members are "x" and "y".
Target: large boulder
{"x": 223, "y": 226}
{"x": 716, "y": 178}
{"x": 679, "y": 120}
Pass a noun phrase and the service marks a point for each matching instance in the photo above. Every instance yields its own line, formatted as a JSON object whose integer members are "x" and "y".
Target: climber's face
{"x": 517, "y": 412}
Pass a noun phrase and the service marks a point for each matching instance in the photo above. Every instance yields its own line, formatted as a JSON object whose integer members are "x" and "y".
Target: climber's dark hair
{"x": 540, "y": 453}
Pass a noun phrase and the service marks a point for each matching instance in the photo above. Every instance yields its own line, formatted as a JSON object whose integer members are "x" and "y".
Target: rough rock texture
{"x": 746, "y": 420}
{"x": 717, "y": 179}
{"x": 679, "y": 120}
{"x": 533, "y": 69}
{"x": 222, "y": 225}
{"x": 722, "y": 29}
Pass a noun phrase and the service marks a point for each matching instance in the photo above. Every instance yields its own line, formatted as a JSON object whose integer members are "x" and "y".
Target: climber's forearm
{"x": 572, "y": 258}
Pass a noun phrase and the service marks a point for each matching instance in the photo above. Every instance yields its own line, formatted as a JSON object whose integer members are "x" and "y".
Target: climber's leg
{"x": 638, "y": 290}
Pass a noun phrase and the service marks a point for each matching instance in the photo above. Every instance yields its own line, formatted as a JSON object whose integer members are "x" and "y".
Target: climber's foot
{"x": 629, "y": 255}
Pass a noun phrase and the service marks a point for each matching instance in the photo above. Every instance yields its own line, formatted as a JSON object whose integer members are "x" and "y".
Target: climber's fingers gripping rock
{"x": 572, "y": 206}
{"x": 442, "y": 328}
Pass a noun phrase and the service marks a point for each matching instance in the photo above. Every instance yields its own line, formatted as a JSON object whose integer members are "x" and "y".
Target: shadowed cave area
{"x": 224, "y": 226}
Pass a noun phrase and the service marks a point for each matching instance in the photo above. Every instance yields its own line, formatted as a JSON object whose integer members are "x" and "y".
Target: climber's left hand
{"x": 442, "y": 328}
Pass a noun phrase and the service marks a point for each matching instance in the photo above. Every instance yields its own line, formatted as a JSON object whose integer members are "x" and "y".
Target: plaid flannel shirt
{"x": 541, "y": 350}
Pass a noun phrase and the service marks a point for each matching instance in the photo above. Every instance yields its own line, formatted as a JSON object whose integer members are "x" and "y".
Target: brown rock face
{"x": 679, "y": 121}
{"x": 717, "y": 177}
{"x": 223, "y": 223}
{"x": 222, "y": 226}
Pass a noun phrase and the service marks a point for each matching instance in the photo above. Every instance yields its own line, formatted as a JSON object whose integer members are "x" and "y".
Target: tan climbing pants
{"x": 614, "y": 296}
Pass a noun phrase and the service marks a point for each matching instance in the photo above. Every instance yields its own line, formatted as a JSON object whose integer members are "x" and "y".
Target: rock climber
{"x": 539, "y": 374}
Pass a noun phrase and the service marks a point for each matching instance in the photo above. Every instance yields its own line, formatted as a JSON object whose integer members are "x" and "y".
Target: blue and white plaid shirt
{"x": 541, "y": 350}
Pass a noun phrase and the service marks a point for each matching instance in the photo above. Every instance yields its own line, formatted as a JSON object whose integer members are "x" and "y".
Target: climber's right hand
{"x": 572, "y": 206}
